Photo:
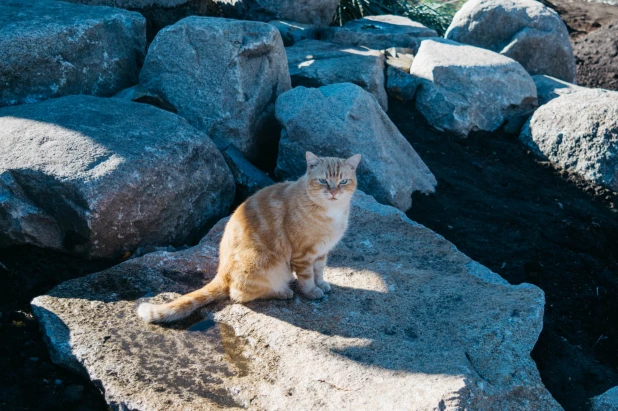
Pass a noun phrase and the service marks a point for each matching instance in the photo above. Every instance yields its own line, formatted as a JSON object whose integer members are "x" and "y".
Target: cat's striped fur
{"x": 285, "y": 228}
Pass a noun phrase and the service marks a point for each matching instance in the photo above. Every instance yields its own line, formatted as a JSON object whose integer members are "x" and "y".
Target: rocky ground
{"x": 497, "y": 204}
{"x": 69, "y": 177}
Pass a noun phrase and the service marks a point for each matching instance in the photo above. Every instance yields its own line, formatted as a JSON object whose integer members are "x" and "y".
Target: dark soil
{"x": 594, "y": 34}
{"x": 582, "y": 17}
{"x": 533, "y": 224}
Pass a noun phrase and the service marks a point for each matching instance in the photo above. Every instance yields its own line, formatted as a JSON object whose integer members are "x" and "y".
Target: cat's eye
{"x": 322, "y": 181}
{"x": 343, "y": 182}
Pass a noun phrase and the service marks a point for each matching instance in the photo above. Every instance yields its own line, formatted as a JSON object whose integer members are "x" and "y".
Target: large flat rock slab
{"x": 53, "y": 49}
{"x": 101, "y": 177}
{"x": 411, "y": 323}
{"x": 223, "y": 76}
{"x": 314, "y": 63}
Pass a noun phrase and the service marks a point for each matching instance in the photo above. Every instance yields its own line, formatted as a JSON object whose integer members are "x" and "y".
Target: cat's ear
{"x": 312, "y": 159}
{"x": 353, "y": 161}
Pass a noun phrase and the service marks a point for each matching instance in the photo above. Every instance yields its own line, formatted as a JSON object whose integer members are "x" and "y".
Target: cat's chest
{"x": 338, "y": 222}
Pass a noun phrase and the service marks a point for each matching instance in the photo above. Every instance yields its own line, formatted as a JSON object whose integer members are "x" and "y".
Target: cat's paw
{"x": 285, "y": 294}
{"x": 314, "y": 294}
{"x": 324, "y": 286}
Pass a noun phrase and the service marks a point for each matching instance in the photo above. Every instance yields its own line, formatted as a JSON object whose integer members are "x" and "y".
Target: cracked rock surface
{"x": 101, "y": 177}
{"x": 411, "y": 322}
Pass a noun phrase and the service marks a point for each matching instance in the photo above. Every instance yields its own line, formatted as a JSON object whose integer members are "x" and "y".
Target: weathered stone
{"x": 102, "y": 177}
{"x": 249, "y": 179}
{"x": 400, "y": 85}
{"x": 223, "y": 76}
{"x": 400, "y": 57}
{"x": 596, "y": 56}
{"x": 524, "y": 30}
{"x": 411, "y": 323}
{"x": 380, "y": 32}
{"x": 464, "y": 88}
{"x": 315, "y": 63}
{"x": 578, "y": 132}
{"x": 292, "y": 32}
{"x": 548, "y": 88}
{"x": 342, "y": 120}
{"x": 139, "y": 94}
{"x": 608, "y": 401}
{"x": 160, "y": 13}
{"x": 52, "y": 49}
{"x": 316, "y": 12}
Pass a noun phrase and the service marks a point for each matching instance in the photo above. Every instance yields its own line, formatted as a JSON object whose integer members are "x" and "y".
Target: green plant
{"x": 436, "y": 15}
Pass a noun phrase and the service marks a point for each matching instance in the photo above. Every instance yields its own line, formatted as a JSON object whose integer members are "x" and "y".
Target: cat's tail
{"x": 183, "y": 306}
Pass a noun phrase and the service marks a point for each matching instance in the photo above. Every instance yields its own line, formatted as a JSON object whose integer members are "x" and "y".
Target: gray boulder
{"x": 524, "y": 30}
{"x": 400, "y": 84}
{"x": 380, "y": 32}
{"x": 165, "y": 12}
{"x": 316, "y": 12}
{"x": 342, "y": 120}
{"x": 292, "y": 32}
{"x": 139, "y": 94}
{"x": 314, "y": 63}
{"x": 548, "y": 88}
{"x": 464, "y": 88}
{"x": 249, "y": 179}
{"x": 53, "y": 49}
{"x": 578, "y": 132}
{"x": 411, "y": 323}
{"x": 608, "y": 401}
{"x": 223, "y": 76}
{"x": 101, "y": 177}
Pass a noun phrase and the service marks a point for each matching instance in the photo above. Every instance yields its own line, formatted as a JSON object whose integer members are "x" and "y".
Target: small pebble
{"x": 35, "y": 359}
{"x": 58, "y": 382}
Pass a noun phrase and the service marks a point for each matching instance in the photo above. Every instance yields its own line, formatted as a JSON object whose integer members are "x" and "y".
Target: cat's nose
{"x": 333, "y": 191}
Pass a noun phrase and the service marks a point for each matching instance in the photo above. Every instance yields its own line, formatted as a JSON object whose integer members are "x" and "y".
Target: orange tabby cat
{"x": 288, "y": 227}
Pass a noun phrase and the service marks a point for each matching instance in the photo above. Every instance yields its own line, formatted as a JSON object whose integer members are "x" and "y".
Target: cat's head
{"x": 331, "y": 180}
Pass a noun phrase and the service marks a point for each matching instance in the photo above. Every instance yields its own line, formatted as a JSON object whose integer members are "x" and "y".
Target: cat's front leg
{"x": 306, "y": 280}
{"x": 318, "y": 272}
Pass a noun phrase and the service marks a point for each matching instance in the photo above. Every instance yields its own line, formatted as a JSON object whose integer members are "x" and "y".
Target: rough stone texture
{"x": 464, "y": 88}
{"x": 380, "y": 32}
{"x": 608, "y": 401}
{"x": 411, "y": 323}
{"x": 292, "y": 32}
{"x": 342, "y": 120}
{"x": 524, "y": 30}
{"x": 314, "y": 63}
{"x": 579, "y": 133}
{"x": 249, "y": 179}
{"x": 223, "y": 76}
{"x": 139, "y": 94}
{"x": 52, "y": 49}
{"x": 316, "y": 12}
{"x": 103, "y": 176}
{"x": 400, "y": 85}
{"x": 400, "y": 57}
{"x": 597, "y": 57}
{"x": 548, "y": 88}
